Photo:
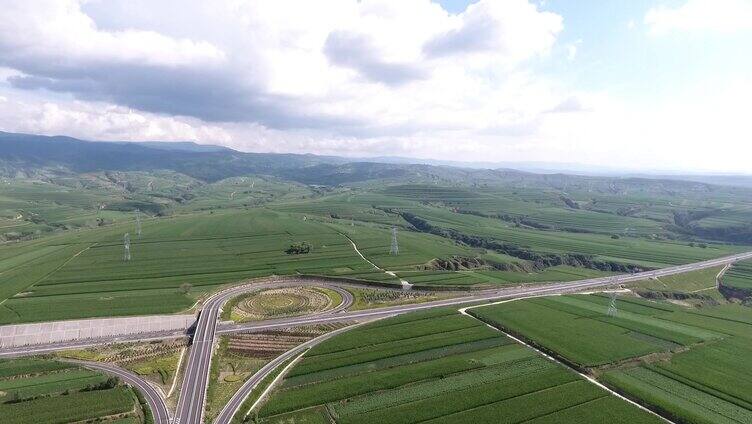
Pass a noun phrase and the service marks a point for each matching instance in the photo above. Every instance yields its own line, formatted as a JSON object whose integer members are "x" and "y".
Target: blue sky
{"x": 615, "y": 51}
{"x": 639, "y": 84}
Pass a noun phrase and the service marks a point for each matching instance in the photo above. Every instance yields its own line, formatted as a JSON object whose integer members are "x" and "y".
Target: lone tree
{"x": 300, "y": 248}
{"x": 185, "y": 288}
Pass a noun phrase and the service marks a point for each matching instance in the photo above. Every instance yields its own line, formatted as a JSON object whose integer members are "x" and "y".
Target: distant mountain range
{"x": 30, "y": 155}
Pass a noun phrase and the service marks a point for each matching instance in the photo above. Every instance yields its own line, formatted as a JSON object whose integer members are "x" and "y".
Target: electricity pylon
{"x": 395, "y": 246}
{"x": 612, "y": 309}
{"x": 138, "y": 222}
{"x": 127, "y": 247}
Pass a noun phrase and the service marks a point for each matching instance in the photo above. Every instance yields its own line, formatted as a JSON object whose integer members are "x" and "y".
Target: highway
{"x": 192, "y": 400}
{"x": 192, "y": 396}
{"x": 229, "y": 410}
{"x": 152, "y": 397}
{"x": 193, "y": 390}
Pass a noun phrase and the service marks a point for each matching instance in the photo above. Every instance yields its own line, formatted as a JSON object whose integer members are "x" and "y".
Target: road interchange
{"x": 193, "y": 389}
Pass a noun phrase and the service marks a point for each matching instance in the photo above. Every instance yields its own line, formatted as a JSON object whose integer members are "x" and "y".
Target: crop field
{"x": 698, "y": 375}
{"x": 241, "y": 227}
{"x": 462, "y": 210}
{"x": 271, "y": 343}
{"x": 642, "y": 251}
{"x": 197, "y": 236}
{"x": 739, "y": 276}
{"x": 434, "y": 366}
{"x": 84, "y": 274}
{"x": 550, "y": 211}
{"x": 41, "y": 391}
{"x": 578, "y": 328}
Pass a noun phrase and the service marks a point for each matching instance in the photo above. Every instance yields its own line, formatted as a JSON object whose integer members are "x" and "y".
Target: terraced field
{"x": 739, "y": 276}
{"x": 685, "y": 363}
{"x": 436, "y": 366}
{"x": 39, "y": 391}
{"x": 642, "y": 251}
{"x": 239, "y": 228}
{"x": 551, "y": 211}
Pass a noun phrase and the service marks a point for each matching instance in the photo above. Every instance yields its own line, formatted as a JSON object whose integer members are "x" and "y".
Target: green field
{"x": 197, "y": 236}
{"x": 696, "y": 281}
{"x": 686, "y": 363}
{"x": 41, "y": 391}
{"x": 84, "y": 274}
{"x": 434, "y": 366}
{"x": 739, "y": 276}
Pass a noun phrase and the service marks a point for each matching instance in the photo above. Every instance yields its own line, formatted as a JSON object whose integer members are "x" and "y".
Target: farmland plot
{"x": 425, "y": 367}
{"x": 42, "y": 391}
{"x": 578, "y": 328}
{"x": 700, "y": 376}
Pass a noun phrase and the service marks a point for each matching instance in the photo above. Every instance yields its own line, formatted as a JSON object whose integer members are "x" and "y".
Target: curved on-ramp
{"x": 190, "y": 409}
{"x": 231, "y": 408}
{"x": 151, "y": 395}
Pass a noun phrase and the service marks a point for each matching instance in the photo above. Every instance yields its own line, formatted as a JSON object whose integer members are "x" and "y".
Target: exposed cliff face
{"x": 459, "y": 263}
{"x": 736, "y": 293}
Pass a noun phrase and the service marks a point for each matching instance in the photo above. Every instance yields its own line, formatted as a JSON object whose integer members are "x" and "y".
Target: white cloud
{"x": 59, "y": 30}
{"x": 701, "y": 15}
{"x": 353, "y": 68}
{"x": 356, "y": 78}
{"x": 101, "y": 121}
{"x": 514, "y": 29}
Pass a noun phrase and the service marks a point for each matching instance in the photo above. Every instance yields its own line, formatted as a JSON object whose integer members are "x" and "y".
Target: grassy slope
{"x": 82, "y": 273}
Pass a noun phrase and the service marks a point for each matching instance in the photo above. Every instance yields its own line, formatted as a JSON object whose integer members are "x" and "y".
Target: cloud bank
{"x": 349, "y": 77}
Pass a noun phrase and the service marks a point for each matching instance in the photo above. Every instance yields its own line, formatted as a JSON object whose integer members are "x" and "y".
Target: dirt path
{"x": 405, "y": 284}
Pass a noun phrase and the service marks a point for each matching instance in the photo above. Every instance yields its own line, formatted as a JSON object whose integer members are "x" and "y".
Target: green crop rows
{"x": 702, "y": 377}
{"x": 434, "y": 366}
{"x": 739, "y": 276}
{"x": 197, "y": 236}
{"x": 41, "y": 391}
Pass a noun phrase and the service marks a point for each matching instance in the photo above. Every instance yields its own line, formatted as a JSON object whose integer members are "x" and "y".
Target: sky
{"x": 638, "y": 84}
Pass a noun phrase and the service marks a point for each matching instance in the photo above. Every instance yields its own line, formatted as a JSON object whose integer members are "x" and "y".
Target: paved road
{"x": 153, "y": 398}
{"x": 192, "y": 397}
{"x": 193, "y": 390}
{"x": 190, "y": 407}
{"x": 225, "y": 416}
